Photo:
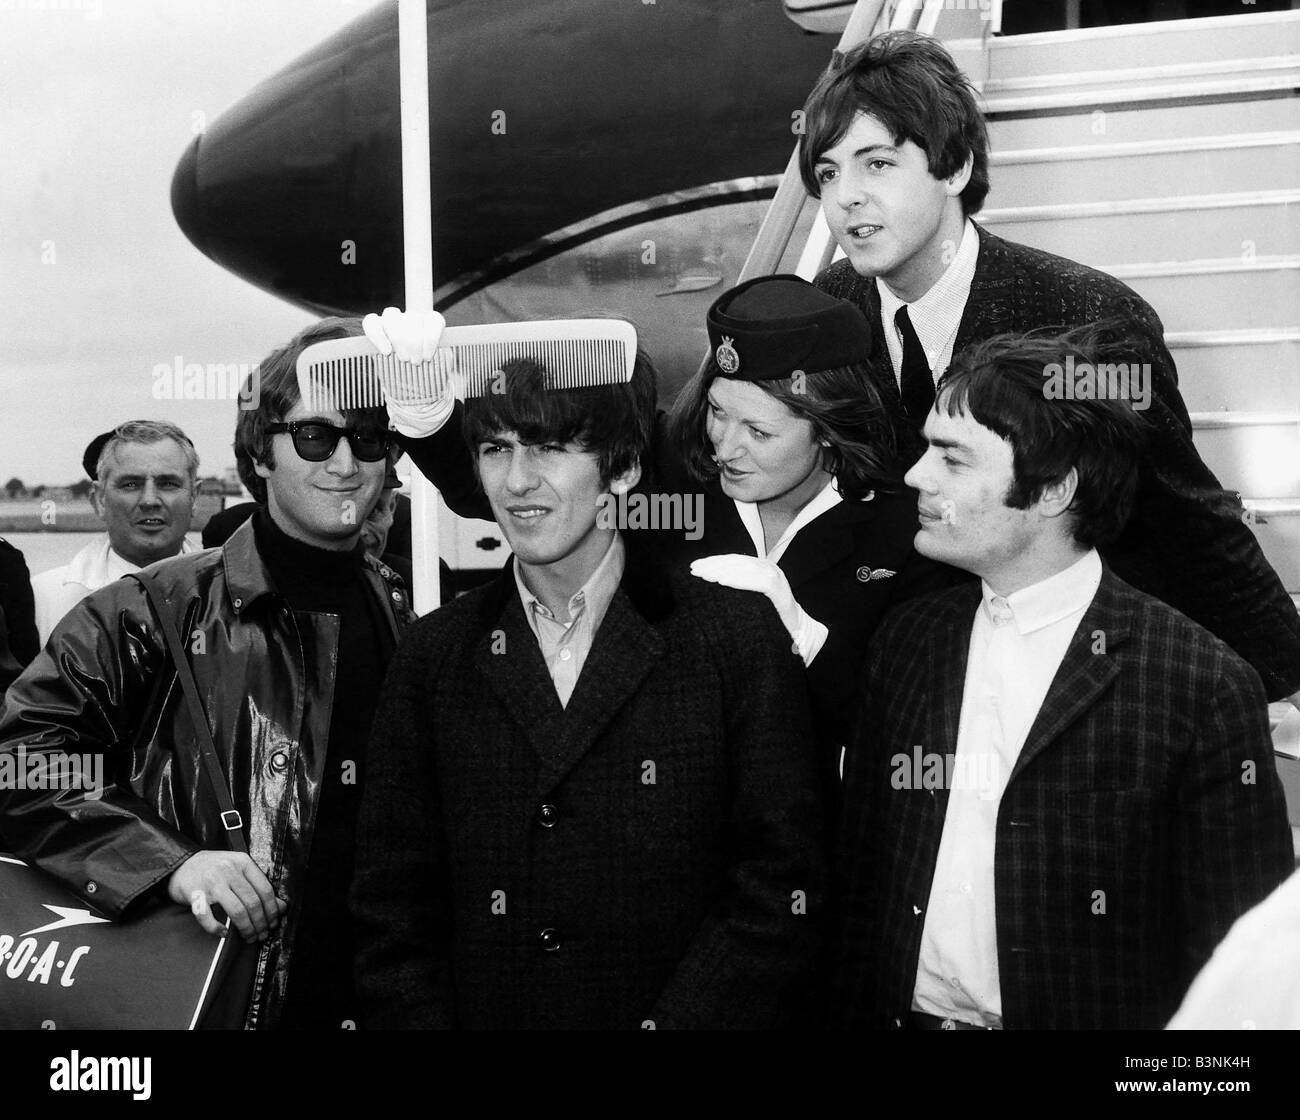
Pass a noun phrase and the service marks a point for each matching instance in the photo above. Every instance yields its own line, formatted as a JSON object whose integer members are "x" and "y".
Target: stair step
{"x": 1056, "y": 211}
{"x": 1268, "y": 226}
{"x": 1160, "y": 74}
{"x": 1068, "y": 98}
{"x": 1253, "y": 456}
{"x": 1132, "y": 170}
{"x": 1219, "y": 371}
{"x": 1161, "y": 122}
{"x": 1204, "y": 266}
{"x": 1237, "y": 299}
{"x": 1277, "y": 529}
{"x": 1245, "y": 36}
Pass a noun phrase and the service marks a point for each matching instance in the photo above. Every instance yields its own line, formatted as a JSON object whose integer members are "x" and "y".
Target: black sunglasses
{"x": 316, "y": 441}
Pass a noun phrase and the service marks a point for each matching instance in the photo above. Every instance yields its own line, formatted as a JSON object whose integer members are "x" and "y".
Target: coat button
{"x": 397, "y": 596}
{"x": 92, "y": 887}
{"x": 895, "y": 1024}
{"x": 238, "y": 603}
{"x": 549, "y": 939}
{"x": 547, "y": 815}
{"x": 279, "y": 761}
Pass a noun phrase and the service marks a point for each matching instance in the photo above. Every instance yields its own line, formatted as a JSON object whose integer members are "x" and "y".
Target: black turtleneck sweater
{"x": 320, "y": 994}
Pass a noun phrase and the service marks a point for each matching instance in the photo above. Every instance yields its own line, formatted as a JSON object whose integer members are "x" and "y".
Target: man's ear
{"x": 97, "y": 498}
{"x": 622, "y": 483}
{"x": 1057, "y": 497}
{"x": 956, "y": 183}
{"x": 261, "y": 469}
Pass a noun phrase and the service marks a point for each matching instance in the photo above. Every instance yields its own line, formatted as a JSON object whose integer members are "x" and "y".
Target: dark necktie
{"x": 916, "y": 385}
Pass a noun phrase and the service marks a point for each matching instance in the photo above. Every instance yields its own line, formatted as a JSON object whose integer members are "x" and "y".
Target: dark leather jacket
{"x": 266, "y": 678}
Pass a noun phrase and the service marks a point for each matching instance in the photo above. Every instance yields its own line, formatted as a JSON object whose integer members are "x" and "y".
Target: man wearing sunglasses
{"x": 289, "y": 627}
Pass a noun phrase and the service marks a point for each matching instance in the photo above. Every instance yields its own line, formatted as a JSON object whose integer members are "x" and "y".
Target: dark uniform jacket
{"x": 1147, "y": 775}
{"x": 1186, "y": 542}
{"x": 105, "y": 684}
{"x": 648, "y": 856}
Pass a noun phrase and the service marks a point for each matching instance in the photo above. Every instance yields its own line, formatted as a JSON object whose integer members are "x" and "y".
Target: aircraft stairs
{"x": 1166, "y": 154}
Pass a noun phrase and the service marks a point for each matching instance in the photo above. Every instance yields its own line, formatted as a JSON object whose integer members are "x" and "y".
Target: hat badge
{"x": 726, "y": 357}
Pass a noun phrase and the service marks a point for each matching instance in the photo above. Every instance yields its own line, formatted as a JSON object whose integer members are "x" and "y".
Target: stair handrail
{"x": 787, "y": 204}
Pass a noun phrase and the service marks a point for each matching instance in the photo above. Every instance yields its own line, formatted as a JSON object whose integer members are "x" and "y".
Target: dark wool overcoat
{"x": 648, "y": 856}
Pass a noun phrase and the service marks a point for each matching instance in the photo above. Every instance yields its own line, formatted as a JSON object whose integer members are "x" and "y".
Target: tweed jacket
{"x": 648, "y": 856}
{"x": 846, "y": 568}
{"x": 1186, "y": 542}
{"x": 1147, "y": 775}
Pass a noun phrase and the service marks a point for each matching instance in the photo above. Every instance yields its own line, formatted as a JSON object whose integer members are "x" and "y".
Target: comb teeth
{"x": 352, "y": 381}
{"x": 576, "y": 353}
{"x": 569, "y": 364}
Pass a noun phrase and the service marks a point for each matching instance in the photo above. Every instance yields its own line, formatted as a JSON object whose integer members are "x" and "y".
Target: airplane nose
{"x": 296, "y": 180}
{"x": 185, "y": 197}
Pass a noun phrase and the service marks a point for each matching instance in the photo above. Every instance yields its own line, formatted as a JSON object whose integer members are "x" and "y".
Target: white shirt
{"x": 937, "y": 314}
{"x": 812, "y": 634}
{"x": 565, "y": 645}
{"x": 60, "y": 589}
{"x": 1016, "y": 647}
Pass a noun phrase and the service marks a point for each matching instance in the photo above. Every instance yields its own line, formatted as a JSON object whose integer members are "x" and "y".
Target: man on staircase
{"x": 896, "y": 148}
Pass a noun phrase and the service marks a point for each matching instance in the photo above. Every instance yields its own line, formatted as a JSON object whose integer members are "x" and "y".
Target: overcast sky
{"x": 98, "y": 101}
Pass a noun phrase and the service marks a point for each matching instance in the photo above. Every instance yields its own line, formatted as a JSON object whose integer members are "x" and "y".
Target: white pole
{"x": 417, "y": 250}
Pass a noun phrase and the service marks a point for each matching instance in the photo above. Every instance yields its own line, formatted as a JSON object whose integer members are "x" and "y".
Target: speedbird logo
{"x": 22, "y": 958}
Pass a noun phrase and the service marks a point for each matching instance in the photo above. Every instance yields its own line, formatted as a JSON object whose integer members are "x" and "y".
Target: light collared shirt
{"x": 60, "y": 589}
{"x": 811, "y": 635}
{"x": 565, "y": 645}
{"x": 1016, "y": 647}
{"x": 937, "y": 314}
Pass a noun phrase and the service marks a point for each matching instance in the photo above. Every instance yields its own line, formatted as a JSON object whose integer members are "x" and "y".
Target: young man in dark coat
{"x": 1062, "y": 793}
{"x": 897, "y": 151}
{"x": 289, "y": 627}
{"x": 593, "y": 795}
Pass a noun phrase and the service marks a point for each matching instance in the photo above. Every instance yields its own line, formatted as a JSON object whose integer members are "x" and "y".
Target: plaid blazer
{"x": 1147, "y": 775}
{"x": 652, "y": 851}
{"x": 1186, "y": 542}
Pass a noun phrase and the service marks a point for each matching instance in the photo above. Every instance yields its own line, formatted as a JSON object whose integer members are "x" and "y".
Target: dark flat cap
{"x": 774, "y": 325}
{"x": 94, "y": 449}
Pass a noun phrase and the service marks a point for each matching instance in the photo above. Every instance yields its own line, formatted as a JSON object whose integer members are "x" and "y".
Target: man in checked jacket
{"x": 897, "y": 151}
{"x": 1062, "y": 792}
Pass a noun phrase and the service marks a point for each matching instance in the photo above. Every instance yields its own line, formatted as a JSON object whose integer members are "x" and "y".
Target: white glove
{"x": 749, "y": 573}
{"x": 413, "y": 337}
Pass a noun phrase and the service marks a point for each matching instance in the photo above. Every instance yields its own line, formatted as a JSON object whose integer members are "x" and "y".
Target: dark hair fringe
{"x": 614, "y": 421}
{"x": 1000, "y": 383}
{"x": 910, "y": 83}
